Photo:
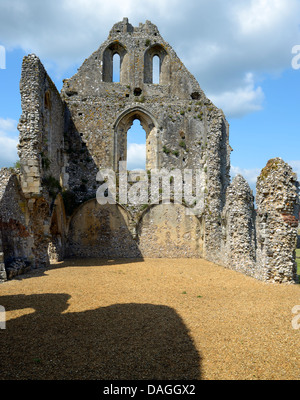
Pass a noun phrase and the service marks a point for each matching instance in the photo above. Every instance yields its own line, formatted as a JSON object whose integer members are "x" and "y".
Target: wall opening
{"x": 137, "y": 91}
{"x": 137, "y": 140}
{"x": 116, "y": 68}
{"x": 115, "y": 64}
{"x": 136, "y": 146}
{"x": 156, "y": 65}
{"x": 155, "y": 70}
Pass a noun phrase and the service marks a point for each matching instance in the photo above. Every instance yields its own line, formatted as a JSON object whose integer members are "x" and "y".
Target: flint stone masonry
{"x": 277, "y": 222}
{"x": 15, "y": 237}
{"x": 183, "y": 128}
{"x": 238, "y": 228}
{"x": 41, "y": 128}
{"x": 49, "y": 209}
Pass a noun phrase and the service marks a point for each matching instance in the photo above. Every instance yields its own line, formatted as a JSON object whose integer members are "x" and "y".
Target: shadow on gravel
{"x": 121, "y": 341}
{"x": 78, "y": 262}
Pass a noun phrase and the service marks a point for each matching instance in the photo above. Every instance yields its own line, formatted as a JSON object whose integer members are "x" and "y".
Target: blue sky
{"x": 240, "y": 53}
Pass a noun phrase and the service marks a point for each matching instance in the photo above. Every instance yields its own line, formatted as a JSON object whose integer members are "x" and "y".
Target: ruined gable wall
{"x": 177, "y": 116}
{"x": 184, "y": 129}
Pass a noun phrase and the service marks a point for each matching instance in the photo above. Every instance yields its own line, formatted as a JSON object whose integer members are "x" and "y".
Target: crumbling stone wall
{"x": 262, "y": 243}
{"x": 183, "y": 128}
{"x": 41, "y": 129}
{"x": 238, "y": 228}
{"x": 26, "y": 232}
{"x": 16, "y": 242}
{"x": 41, "y": 150}
{"x": 217, "y": 165}
{"x": 277, "y": 222}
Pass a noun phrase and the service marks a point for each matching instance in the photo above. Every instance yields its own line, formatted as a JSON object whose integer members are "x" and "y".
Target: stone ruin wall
{"x": 109, "y": 231}
{"x": 41, "y": 151}
{"x": 41, "y": 127}
{"x": 183, "y": 128}
{"x": 176, "y": 115}
{"x": 262, "y": 242}
{"x": 40, "y": 177}
{"x": 65, "y": 138}
{"x": 238, "y": 228}
{"x": 16, "y": 239}
{"x": 277, "y": 222}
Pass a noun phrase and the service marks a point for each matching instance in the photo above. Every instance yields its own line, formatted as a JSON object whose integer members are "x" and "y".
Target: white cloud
{"x": 249, "y": 174}
{"x": 243, "y": 100}
{"x": 8, "y": 142}
{"x": 136, "y": 156}
{"x": 8, "y": 125}
{"x": 221, "y": 42}
{"x": 262, "y": 16}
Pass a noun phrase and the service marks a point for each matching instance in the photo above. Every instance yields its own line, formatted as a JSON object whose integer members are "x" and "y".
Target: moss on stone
{"x": 272, "y": 165}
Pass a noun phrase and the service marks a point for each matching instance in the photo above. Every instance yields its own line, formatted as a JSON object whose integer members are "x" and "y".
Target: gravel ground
{"x": 150, "y": 319}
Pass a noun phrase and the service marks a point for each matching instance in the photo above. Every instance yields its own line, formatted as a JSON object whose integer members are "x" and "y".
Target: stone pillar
{"x": 277, "y": 202}
{"x": 238, "y": 228}
{"x": 217, "y": 177}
